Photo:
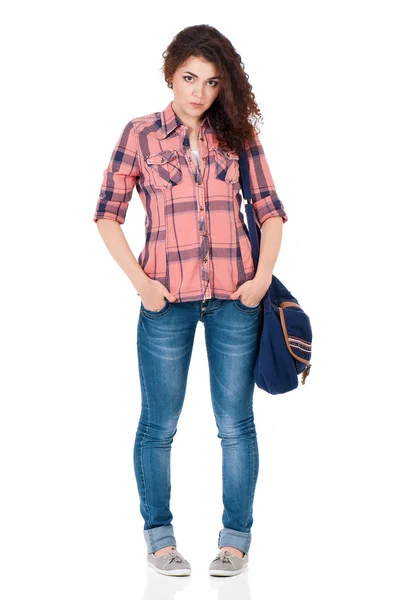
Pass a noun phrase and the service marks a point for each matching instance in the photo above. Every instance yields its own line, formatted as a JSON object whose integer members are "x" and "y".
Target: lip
{"x": 195, "y": 104}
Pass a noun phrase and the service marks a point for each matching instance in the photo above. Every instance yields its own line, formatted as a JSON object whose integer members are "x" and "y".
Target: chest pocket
{"x": 165, "y": 168}
{"x": 227, "y": 165}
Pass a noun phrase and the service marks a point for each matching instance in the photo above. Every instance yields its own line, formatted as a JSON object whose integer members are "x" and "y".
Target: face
{"x": 194, "y": 81}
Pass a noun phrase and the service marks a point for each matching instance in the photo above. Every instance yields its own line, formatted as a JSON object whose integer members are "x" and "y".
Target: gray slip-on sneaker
{"x": 172, "y": 563}
{"x": 226, "y": 564}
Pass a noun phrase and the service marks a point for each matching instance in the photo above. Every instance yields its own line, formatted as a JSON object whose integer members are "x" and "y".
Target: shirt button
{"x": 201, "y": 208}
{"x": 205, "y": 260}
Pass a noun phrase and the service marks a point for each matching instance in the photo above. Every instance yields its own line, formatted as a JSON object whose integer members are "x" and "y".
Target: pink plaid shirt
{"x": 197, "y": 243}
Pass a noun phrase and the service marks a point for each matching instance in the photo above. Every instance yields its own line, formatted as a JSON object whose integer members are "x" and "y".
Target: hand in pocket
{"x": 154, "y": 296}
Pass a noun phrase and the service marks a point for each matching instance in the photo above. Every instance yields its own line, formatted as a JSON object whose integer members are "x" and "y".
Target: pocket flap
{"x": 228, "y": 154}
{"x": 297, "y": 331}
{"x": 160, "y": 157}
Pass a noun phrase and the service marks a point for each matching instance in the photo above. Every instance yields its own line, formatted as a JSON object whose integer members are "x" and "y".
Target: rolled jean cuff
{"x": 159, "y": 537}
{"x": 237, "y": 539}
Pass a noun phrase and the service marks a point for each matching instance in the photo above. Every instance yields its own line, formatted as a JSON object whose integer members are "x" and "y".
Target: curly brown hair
{"x": 234, "y": 114}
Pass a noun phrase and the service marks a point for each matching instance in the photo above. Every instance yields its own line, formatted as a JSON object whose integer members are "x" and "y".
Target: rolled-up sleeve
{"x": 119, "y": 178}
{"x": 266, "y": 202}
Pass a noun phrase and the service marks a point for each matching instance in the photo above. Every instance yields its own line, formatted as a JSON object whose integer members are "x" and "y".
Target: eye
{"x": 190, "y": 77}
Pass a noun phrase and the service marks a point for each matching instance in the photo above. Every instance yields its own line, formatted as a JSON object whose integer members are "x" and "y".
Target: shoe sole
{"x": 176, "y": 572}
{"x": 220, "y": 573}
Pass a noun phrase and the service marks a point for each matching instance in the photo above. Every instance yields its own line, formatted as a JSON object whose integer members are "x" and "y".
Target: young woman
{"x": 196, "y": 266}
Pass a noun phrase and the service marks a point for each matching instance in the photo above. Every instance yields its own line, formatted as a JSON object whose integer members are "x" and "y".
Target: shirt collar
{"x": 170, "y": 120}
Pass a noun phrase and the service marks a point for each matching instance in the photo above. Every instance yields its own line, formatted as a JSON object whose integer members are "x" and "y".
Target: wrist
{"x": 263, "y": 281}
{"x": 141, "y": 282}
{"x": 262, "y": 278}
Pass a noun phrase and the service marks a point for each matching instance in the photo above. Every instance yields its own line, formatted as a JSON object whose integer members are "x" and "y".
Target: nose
{"x": 197, "y": 94}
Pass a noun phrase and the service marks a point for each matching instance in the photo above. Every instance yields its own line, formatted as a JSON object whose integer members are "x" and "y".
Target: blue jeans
{"x": 164, "y": 343}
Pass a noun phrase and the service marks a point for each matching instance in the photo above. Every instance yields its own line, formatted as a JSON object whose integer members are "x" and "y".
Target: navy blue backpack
{"x": 286, "y": 338}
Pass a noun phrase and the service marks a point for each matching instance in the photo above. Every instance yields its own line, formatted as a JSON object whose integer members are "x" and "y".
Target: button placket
{"x": 198, "y": 175}
{"x": 200, "y": 187}
{"x": 204, "y": 246}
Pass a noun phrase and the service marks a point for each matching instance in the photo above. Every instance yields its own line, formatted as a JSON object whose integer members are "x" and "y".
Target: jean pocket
{"x": 156, "y": 313}
{"x": 165, "y": 168}
{"x": 243, "y": 307}
{"x": 227, "y": 165}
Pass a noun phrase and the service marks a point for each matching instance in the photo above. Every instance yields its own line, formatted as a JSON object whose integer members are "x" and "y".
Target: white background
{"x": 325, "y": 510}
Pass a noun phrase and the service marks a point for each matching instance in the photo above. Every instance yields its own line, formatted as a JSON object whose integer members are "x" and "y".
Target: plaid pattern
{"x": 197, "y": 243}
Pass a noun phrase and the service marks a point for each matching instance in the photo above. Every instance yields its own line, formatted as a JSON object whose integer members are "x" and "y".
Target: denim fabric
{"x": 164, "y": 343}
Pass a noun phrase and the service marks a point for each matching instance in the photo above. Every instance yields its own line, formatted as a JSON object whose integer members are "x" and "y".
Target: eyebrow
{"x": 193, "y": 74}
